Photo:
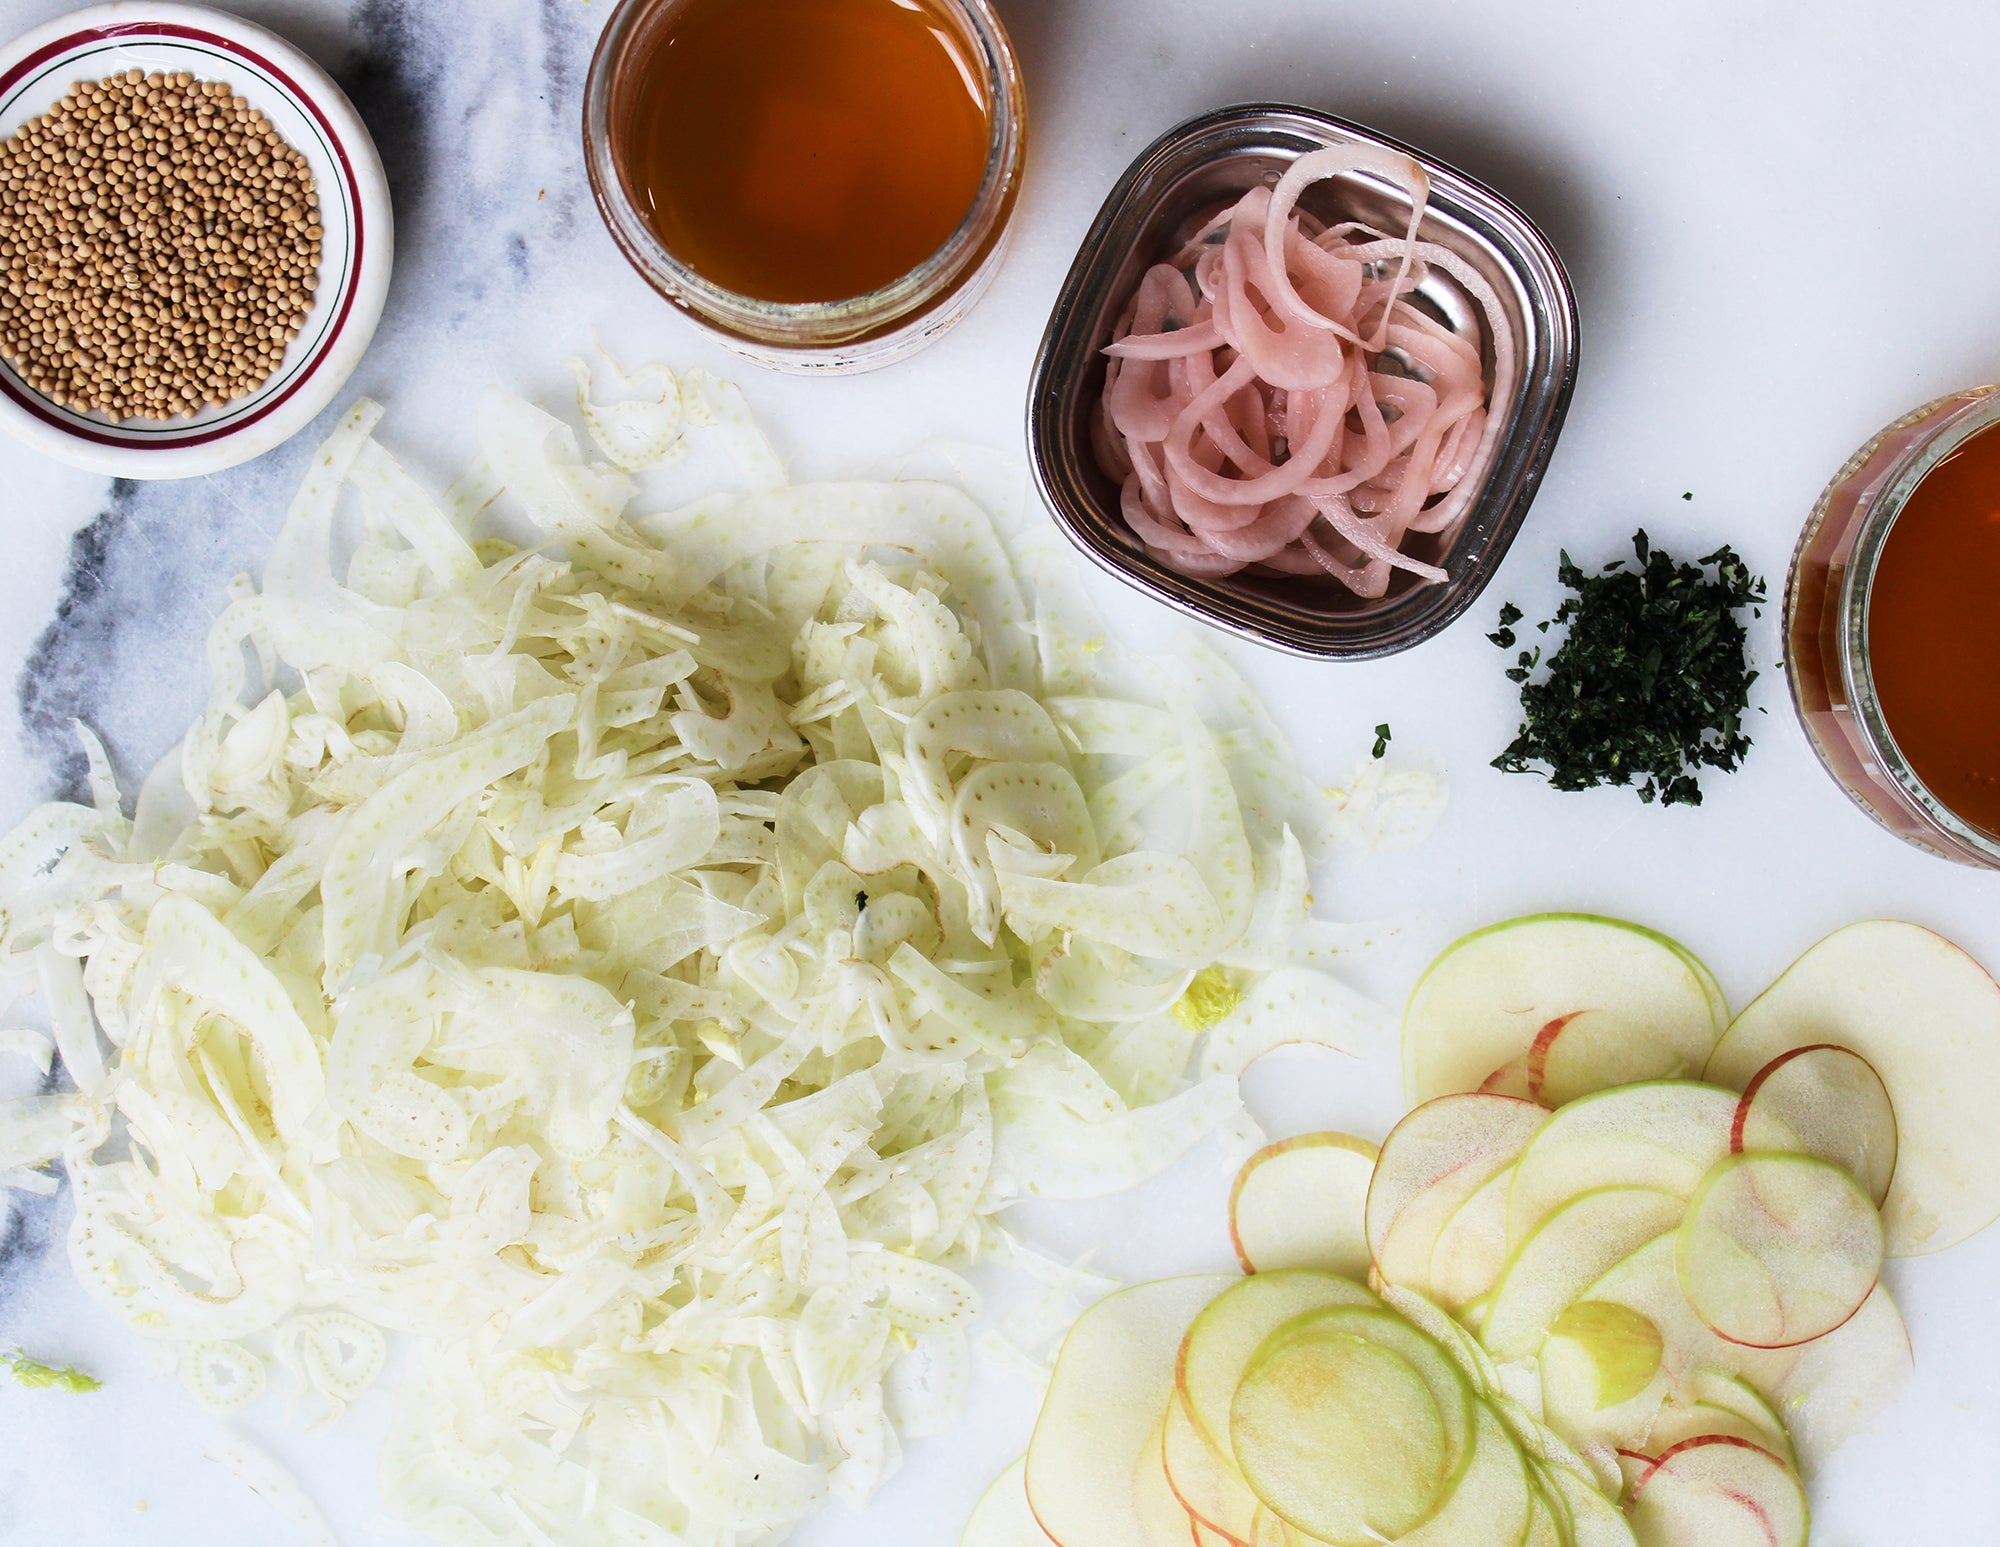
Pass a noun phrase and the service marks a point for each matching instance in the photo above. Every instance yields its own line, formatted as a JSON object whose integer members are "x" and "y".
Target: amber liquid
{"x": 1934, "y": 631}
{"x": 805, "y": 150}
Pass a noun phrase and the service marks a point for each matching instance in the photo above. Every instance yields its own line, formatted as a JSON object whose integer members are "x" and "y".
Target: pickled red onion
{"x": 1275, "y": 402}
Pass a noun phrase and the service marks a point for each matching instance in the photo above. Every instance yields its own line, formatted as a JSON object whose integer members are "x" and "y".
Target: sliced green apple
{"x": 1433, "y": 1161}
{"x": 1342, "y": 1437}
{"x": 1926, "y": 1016}
{"x": 1826, "y": 1101}
{"x": 1483, "y": 1003}
{"x": 1452, "y": 1387}
{"x": 1447, "y": 1332}
{"x": 1648, "y": 1284}
{"x": 1778, "y": 1248}
{"x": 1002, "y": 1517}
{"x": 1491, "y": 1503}
{"x": 1567, "y": 1252}
{"x": 1621, "y": 1348}
{"x": 1225, "y": 1336}
{"x": 1112, "y": 1382}
{"x": 1302, "y": 1203}
{"x": 1593, "y": 1520}
{"x": 1545, "y": 1526}
{"x": 1663, "y": 1135}
{"x": 1471, "y": 1249}
{"x": 1719, "y": 1493}
{"x": 1546, "y": 1450}
{"x": 1837, "y": 1383}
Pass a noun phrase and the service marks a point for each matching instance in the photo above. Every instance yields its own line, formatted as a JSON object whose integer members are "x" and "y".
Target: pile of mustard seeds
{"x": 159, "y": 247}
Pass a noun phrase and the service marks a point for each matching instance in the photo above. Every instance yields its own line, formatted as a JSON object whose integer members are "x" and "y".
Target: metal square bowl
{"x": 1189, "y": 173}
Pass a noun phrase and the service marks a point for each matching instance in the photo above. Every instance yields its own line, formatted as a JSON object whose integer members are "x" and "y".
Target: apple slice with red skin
{"x": 1719, "y": 1492}
{"x": 1161, "y": 1514}
{"x": 1679, "y": 1423}
{"x": 1926, "y": 1016}
{"x": 1302, "y": 1203}
{"x": 1209, "y": 1488}
{"x": 1826, "y": 1101}
{"x": 1743, "y": 1411}
{"x": 1778, "y": 1248}
{"x": 1434, "y": 1160}
{"x": 1582, "y": 1052}
{"x": 1113, "y": 1379}
{"x": 1510, "y": 1079}
{"x": 1488, "y": 997}
{"x": 1527, "y": 1075}
{"x": 1633, "y": 1465}
{"x": 1592, "y": 1050}
{"x": 1002, "y": 1517}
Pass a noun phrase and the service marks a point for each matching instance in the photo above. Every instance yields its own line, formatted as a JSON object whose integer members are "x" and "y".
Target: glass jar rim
{"x": 1978, "y": 411}
{"x": 813, "y": 324}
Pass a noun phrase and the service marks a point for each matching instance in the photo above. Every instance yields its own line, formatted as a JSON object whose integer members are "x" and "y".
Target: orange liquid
{"x": 806, "y": 150}
{"x": 1934, "y": 631}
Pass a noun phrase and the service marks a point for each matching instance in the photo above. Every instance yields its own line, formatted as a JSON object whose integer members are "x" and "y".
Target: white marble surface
{"x": 1781, "y": 226}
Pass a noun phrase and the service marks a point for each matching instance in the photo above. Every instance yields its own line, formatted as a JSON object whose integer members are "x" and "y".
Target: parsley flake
{"x": 1649, "y": 684}
{"x": 1504, "y": 635}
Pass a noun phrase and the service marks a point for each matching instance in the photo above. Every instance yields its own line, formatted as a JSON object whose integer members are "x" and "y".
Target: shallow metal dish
{"x": 1188, "y": 173}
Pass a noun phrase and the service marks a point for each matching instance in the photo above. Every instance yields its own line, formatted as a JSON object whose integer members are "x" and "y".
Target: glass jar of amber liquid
{"x": 826, "y": 184}
{"x": 1892, "y": 627}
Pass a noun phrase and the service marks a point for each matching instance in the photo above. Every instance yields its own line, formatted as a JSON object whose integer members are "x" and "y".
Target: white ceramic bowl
{"x": 315, "y": 117}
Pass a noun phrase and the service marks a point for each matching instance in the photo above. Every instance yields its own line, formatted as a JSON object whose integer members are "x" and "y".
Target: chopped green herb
{"x": 1504, "y": 635}
{"x": 1650, "y": 683}
{"x": 37, "y": 1376}
{"x": 1382, "y": 739}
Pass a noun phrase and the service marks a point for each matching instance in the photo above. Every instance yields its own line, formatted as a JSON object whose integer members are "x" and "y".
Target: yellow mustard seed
{"x": 139, "y": 274}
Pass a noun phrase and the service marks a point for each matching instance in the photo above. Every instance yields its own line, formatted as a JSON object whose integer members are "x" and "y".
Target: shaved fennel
{"x": 637, "y": 967}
